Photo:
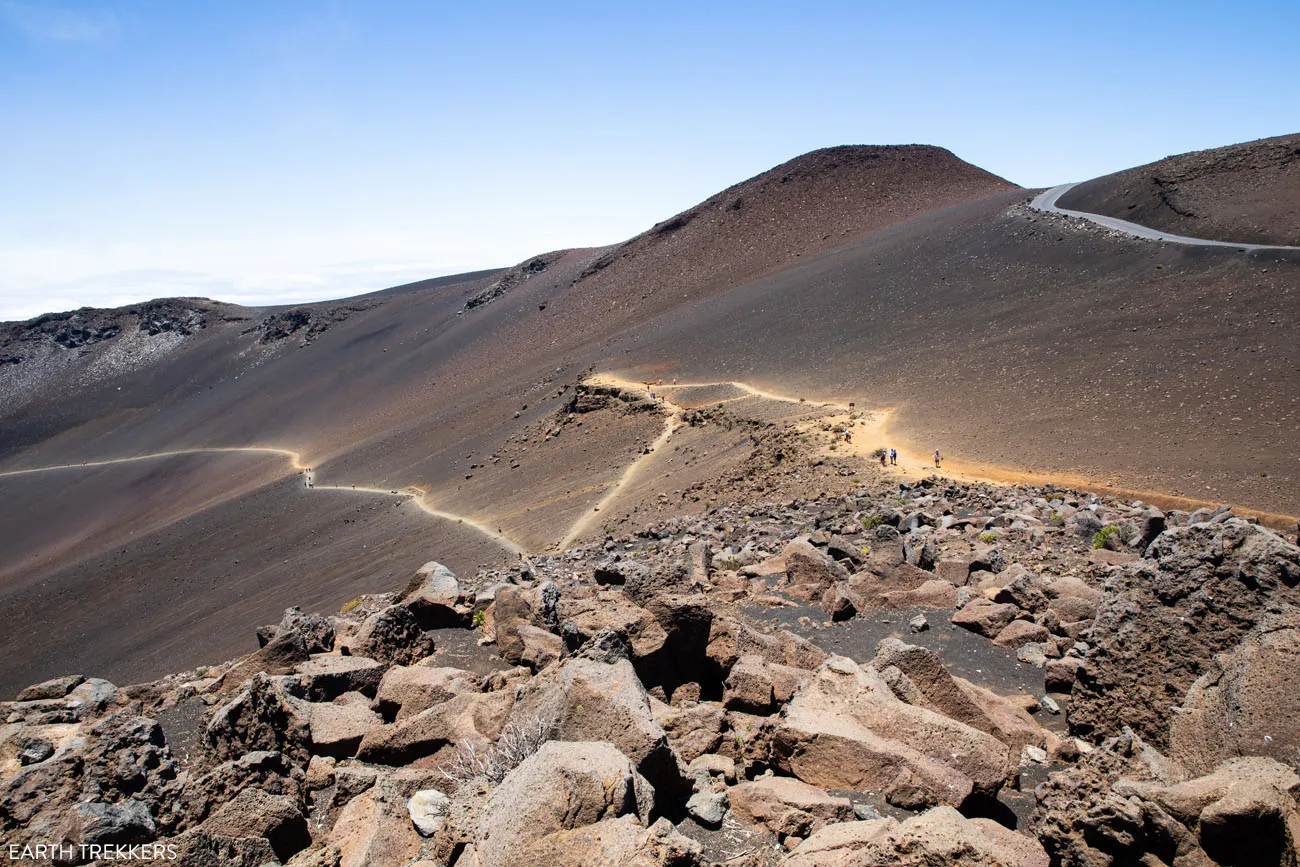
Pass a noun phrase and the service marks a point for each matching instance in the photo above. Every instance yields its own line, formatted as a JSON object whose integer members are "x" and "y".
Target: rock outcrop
{"x": 845, "y": 729}
{"x": 651, "y": 720}
{"x": 1247, "y": 703}
{"x": 1199, "y": 590}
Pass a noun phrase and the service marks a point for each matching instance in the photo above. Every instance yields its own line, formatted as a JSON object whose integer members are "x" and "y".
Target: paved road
{"x": 1046, "y": 201}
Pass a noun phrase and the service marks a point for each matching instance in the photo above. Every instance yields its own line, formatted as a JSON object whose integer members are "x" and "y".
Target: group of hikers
{"x": 889, "y": 457}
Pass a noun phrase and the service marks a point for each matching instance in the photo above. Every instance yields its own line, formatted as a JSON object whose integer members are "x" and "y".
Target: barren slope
{"x": 1246, "y": 192}
{"x": 896, "y": 277}
{"x": 447, "y": 387}
{"x": 1040, "y": 344}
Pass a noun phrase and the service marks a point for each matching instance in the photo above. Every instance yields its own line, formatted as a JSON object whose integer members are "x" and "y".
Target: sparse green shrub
{"x": 988, "y": 537}
{"x": 480, "y": 617}
{"x": 740, "y": 738}
{"x": 1102, "y": 538}
{"x": 872, "y": 522}
{"x": 351, "y": 605}
{"x": 880, "y": 452}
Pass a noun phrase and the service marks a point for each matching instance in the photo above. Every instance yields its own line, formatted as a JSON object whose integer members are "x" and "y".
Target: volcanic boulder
{"x": 846, "y": 729}
{"x": 1247, "y": 703}
{"x": 1198, "y": 591}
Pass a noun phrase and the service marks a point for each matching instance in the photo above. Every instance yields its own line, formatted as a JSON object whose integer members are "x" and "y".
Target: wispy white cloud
{"x": 52, "y": 22}
{"x": 133, "y": 286}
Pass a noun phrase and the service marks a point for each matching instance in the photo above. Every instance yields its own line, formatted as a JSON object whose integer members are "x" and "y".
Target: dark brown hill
{"x": 1246, "y": 192}
{"x": 809, "y": 204}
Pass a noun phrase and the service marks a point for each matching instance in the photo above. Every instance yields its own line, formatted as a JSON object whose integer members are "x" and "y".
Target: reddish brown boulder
{"x": 984, "y": 616}
{"x": 786, "y": 806}
{"x": 1018, "y": 633}
{"x": 845, "y": 728}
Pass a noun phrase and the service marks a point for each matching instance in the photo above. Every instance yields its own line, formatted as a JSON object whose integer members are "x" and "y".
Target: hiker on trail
{"x": 936, "y": 457}
{"x": 848, "y": 437}
{"x": 882, "y": 457}
{"x": 893, "y": 456}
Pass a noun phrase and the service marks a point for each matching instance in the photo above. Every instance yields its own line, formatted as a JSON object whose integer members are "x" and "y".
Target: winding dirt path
{"x": 672, "y": 422}
{"x": 294, "y": 457}
{"x": 416, "y": 495}
{"x": 870, "y": 431}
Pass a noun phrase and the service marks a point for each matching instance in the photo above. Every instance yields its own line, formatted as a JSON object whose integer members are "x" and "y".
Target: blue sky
{"x": 274, "y": 151}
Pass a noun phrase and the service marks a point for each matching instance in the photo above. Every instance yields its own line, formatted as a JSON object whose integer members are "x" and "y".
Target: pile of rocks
{"x": 622, "y": 708}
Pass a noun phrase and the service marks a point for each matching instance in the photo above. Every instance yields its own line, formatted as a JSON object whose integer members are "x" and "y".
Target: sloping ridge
{"x": 1248, "y": 192}
{"x": 400, "y": 389}
{"x": 810, "y": 204}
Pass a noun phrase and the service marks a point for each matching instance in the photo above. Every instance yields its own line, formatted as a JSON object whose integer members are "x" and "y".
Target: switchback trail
{"x": 414, "y": 494}
{"x": 672, "y": 421}
{"x": 1046, "y": 202}
{"x": 870, "y": 431}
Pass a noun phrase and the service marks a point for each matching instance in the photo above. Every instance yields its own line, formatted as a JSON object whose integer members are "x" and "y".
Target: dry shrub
{"x": 517, "y": 742}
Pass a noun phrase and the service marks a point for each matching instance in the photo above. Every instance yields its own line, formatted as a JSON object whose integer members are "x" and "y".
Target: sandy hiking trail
{"x": 870, "y": 431}
{"x": 416, "y": 495}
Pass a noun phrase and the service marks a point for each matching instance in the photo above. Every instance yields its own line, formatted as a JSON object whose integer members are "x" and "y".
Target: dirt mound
{"x": 1247, "y": 192}
{"x": 809, "y": 204}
